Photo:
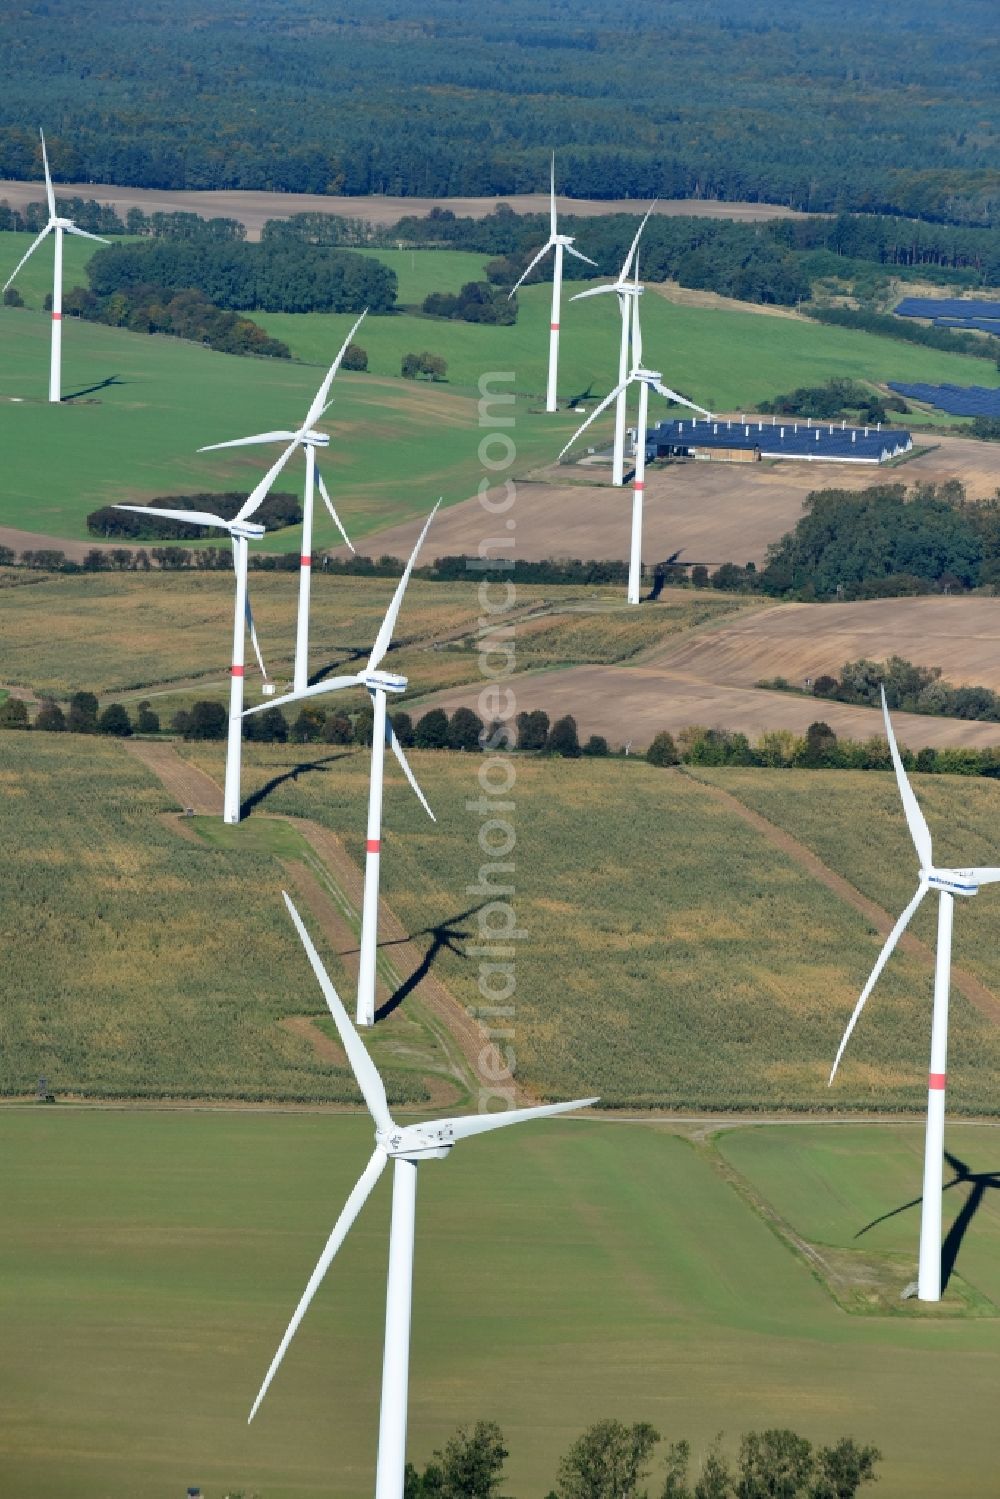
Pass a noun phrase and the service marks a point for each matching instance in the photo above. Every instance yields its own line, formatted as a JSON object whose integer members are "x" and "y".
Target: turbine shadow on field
{"x": 445, "y": 934}
{"x": 351, "y": 653}
{"x": 978, "y": 1183}
{"x": 292, "y": 774}
{"x": 75, "y": 395}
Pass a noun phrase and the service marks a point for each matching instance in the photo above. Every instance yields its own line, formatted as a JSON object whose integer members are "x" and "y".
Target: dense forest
{"x": 821, "y": 104}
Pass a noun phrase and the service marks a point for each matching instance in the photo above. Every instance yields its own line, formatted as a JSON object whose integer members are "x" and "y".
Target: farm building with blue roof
{"x": 747, "y": 440}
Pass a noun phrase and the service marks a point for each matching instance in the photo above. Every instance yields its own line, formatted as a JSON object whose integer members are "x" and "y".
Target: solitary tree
{"x": 596, "y": 746}
{"x": 115, "y": 721}
{"x": 146, "y": 721}
{"x": 464, "y": 730}
{"x": 337, "y": 729}
{"x": 402, "y": 727}
{"x": 13, "y": 714}
{"x": 432, "y": 730}
{"x": 609, "y": 1461}
{"x": 532, "y": 729}
{"x": 50, "y": 718}
{"x": 82, "y": 715}
{"x": 663, "y": 750}
{"x": 563, "y": 739}
{"x": 207, "y": 720}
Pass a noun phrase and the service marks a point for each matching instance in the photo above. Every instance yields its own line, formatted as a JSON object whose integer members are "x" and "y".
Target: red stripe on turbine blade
{"x": 237, "y": 671}
{"x": 57, "y": 317}
{"x": 306, "y": 561}
{"x": 937, "y": 1081}
{"x": 373, "y": 846}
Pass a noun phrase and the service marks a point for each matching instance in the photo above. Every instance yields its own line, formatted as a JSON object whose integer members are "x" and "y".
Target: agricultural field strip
{"x": 966, "y": 983}
{"x": 343, "y": 884}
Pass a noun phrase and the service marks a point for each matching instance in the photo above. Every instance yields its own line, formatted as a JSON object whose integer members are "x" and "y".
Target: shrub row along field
{"x": 566, "y": 1272}
{"x": 117, "y": 632}
{"x": 668, "y": 949}
{"x": 143, "y": 963}
{"x": 856, "y": 826}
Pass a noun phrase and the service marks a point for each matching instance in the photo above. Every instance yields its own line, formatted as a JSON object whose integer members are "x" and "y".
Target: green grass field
{"x": 564, "y": 1273}
{"x": 725, "y": 360}
{"x": 154, "y": 400}
{"x": 34, "y": 280}
{"x": 420, "y": 272}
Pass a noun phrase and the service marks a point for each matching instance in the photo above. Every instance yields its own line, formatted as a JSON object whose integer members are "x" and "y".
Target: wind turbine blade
{"x": 319, "y": 400}
{"x": 253, "y": 638}
{"x": 478, "y": 1124}
{"x": 86, "y": 234}
{"x": 636, "y": 335}
{"x": 258, "y": 495}
{"x": 579, "y": 255}
{"x": 329, "y": 505}
{"x": 543, "y": 251}
{"x": 919, "y": 831}
{"x": 397, "y": 749}
{"x": 627, "y": 267}
{"x": 594, "y": 291}
{"x": 194, "y": 517}
{"x": 985, "y": 876}
{"x": 552, "y": 195}
{"x": 50, "y": 195}
{"x": 27, "y": 256}
{"x": 246, "y": 442}
{"x": 672, "y": 395}
{"x": 384, "y": 636}
{"x": 332, "y": 684}
{"x": 352, "y": 1207}
{"x": 880, "y": 962}
{"x": 362, "y": 1066}
{"x": 594, "y": 415}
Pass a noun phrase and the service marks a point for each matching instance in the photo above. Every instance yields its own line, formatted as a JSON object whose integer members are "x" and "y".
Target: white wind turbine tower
{"x": 948, "y": 883}
{"x": 646, "y": 379}
{"x": 309, "y": 440}
{"x": 241, "y": 530}
{"x": 627, "y": 291}
{"x": 557, "y": 242}
{"x": 58, "y": 227}
{"x": 406, "y": 1148}
{"x": 378, "y": 683}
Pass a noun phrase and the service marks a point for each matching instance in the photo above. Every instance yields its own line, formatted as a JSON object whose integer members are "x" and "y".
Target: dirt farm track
{"x": 254, "y": 208}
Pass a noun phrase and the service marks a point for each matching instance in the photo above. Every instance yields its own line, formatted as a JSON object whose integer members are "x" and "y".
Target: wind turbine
{"x": 948, "y": 883}
{"x": 557, "y": 242}
{"x": 309, "y": 439}
{"x": 647, "y": 380}
{"x": 58, "y": 227}
{"x": 406, "y": 1147}
{"x": 627, "y": 291}
{"x": 241, "y": 531}
{"x": 378, "y": 683}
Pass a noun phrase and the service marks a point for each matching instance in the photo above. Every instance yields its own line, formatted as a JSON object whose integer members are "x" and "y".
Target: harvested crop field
{"x": 799, "y": 641}
{"x": 708, "y": 512}
{"x": 629, "y": 704}
{"x": 255, "y": 208}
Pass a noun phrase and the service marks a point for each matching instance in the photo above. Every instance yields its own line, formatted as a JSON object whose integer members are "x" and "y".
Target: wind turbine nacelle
{"x": 419, "y": 1141}
{"x": 954, "y": 881}
{"x": 383, "y": 681}
{"x": 316, "y": 439}
{"x": 63, "y": 224}
{"x": 250, "y": 530}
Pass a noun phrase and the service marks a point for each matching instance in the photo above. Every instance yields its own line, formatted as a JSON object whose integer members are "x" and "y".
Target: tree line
{"x": 277, "y": 509}
{"x": 911, "y": 688}
{"x": 613, "y": 1460}
{"x": 265, "y": 277}
{"x": 459, "y": 102}
{"x": 104, "y": 218}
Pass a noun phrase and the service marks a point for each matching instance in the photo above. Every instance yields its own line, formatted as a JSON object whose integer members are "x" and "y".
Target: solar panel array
{"x": 836, "y": 442}
{"x": 957, "y": 400}
{"x": 936, "y": 307}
